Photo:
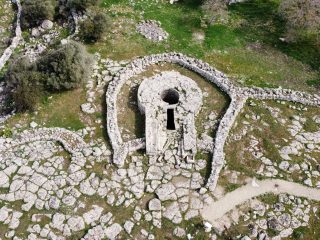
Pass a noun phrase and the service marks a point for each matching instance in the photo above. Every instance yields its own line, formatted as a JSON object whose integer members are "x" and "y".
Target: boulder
{"x": 47, "y": 24}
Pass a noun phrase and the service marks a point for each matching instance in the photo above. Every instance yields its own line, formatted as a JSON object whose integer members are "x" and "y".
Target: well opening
{"x": 170, "y": 96}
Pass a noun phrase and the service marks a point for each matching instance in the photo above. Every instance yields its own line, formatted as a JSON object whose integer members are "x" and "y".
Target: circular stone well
{"x": 170, "y": 88}
{"x": 170, "y": 96}
{"x": 169, "y": 102}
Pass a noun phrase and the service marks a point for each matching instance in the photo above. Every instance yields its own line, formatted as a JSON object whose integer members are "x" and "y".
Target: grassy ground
{"x": 6, "y": 20}
{"x": 59, "y": 110}
{"x": 247, "y": 48}
{"x": 271, "y": 134}
{"x": 310, "y": 232}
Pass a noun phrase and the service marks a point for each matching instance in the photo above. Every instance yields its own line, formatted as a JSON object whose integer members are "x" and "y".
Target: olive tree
{"x": 35, "y": 11}
{"x": 302, "y": 17}
{"x": 81, "y": 5}
{"x": 65, "y": 68}
{"x": 93, "y": 28}
{"x": 215, "y": 10}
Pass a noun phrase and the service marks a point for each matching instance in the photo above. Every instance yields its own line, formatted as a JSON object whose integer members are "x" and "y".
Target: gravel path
{"x": 256, "y": 188}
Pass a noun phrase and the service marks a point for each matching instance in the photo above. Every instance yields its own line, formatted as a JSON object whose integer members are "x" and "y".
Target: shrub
{"x": 26, "y": 95}
{"x": 302, "y": 16}
{"x": 62, "y": 69}
{"x": 16, "y": 71}
{"x": 215, "y": 10}
{"x": 25, "y": 82}
{"x": 65, "y": 68}
{"x": 92, "y": 29}
{"x": 81, "y": 5}
{"x": 35, "y": 11}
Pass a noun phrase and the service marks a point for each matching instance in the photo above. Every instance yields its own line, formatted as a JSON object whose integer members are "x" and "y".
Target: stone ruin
{"x": 152, "y": 30}
{"x": 170, "y": 102}
{"x": 238, "y": 95}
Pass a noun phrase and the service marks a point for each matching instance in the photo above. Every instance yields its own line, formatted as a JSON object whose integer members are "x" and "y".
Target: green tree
{"x": 215, "y": 10}
{"x": 35, "y": 11}
{"x": 81, "y": 5}
{"x": 93, "y": 28}
{"x": 302, "y": 18}
{"x": 65, "y": 68}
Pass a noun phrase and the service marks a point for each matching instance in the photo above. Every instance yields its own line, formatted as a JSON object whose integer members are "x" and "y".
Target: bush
{"x": 93, "y": 28}
{"x": 26, "y": 95}
{"x": 25, "y": 82}
{"x": 215, "y": 10}
{"x": 62, "y": 69}
{"x": 35, "y": 11}
{"x": 302, "y": 16}
{"x": 65, "y": 68}
{"x": 81, "y": 5}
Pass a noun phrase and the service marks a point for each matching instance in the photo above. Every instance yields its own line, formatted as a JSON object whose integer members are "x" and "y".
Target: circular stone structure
{"x": 170, "y": 96}
{"x": 170, "y": 102}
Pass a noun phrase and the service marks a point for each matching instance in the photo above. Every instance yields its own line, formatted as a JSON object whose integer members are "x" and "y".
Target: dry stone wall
{"x": 138, "y": 66}
{"x": 69, "y": 140}
{"x": 237, "y": 94}
{"x": 224, "y": 128}
{"x": 15, "y": 41}
{"x": 282, "y": 94}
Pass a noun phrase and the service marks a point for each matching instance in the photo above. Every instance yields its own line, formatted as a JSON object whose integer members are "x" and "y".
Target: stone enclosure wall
{"x": 237, "y": 94}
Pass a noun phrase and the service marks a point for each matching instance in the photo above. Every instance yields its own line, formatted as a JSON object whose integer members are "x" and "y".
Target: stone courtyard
{"x": 182, "y": 151}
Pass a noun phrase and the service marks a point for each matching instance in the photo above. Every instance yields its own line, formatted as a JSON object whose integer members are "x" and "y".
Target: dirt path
{"x": 256, "y": 188}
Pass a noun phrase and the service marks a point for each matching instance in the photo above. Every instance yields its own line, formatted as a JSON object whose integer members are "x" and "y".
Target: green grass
{"x": 247, "y": 48}
{"x": 222, "y": 37}
{"x": 311, "y": 126}
{"x": 61, "y": 110}
{"x": 262, "y": 23}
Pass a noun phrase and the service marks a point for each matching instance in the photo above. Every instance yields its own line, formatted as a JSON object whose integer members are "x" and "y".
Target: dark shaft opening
{"x": 170, "y": 120}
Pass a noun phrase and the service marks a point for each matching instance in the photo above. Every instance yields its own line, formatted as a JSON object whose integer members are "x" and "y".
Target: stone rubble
{"x": 152, "y": 30}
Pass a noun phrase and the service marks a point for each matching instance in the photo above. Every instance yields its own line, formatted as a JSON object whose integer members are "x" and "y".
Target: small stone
{"x": 128, "y": 225}
{"x": 47, "y": 24}
{"x": 179, "y": 232}
{"x": 207, "y": 226}
{"x": 308, "y": 182}
{"x": 76, "y": 224}
{"x": 33, "y": 124}
{"x": 155, "y": 205}
{"x": 113, "y": 231}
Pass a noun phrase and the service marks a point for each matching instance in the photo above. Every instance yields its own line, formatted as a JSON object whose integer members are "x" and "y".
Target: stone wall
{"x": 222, "y": 133}
{"x": 15, "y": 41}
{"x": 137, "y": 66}
{"x": 237, "y": 94}
{"x": 69, "y": 140}
{"x": 282, "y": 94}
